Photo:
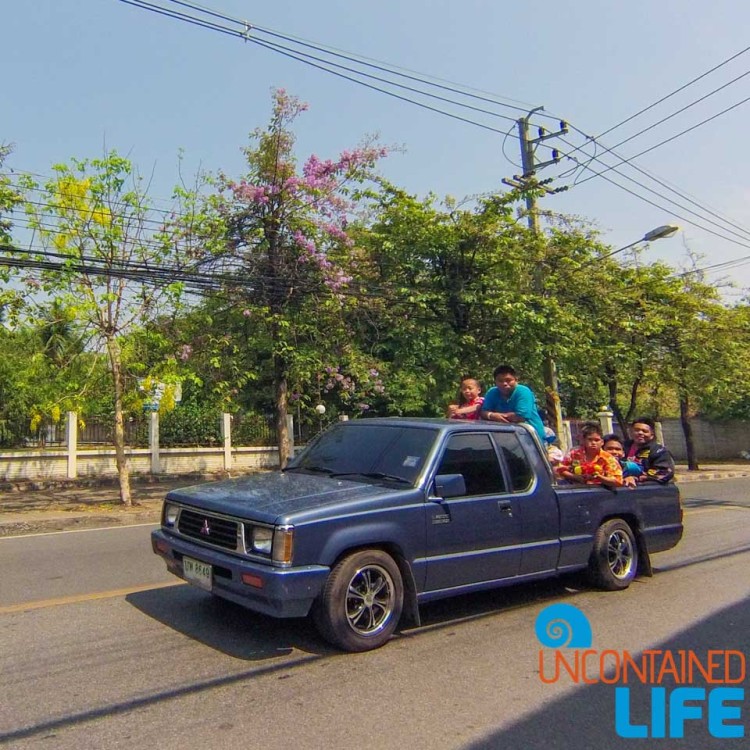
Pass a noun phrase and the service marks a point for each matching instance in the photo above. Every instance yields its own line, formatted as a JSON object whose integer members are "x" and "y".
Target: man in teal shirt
{"x": 509, "y": 401}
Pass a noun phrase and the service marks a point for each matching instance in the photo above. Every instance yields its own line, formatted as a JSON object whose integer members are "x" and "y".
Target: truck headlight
{"x": 170, "y": 514}
{"x": 261, "y": 540}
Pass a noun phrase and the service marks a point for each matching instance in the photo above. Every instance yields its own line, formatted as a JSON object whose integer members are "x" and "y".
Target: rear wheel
{"x": 360, "y": 605}
{"x": 614, "y": 558}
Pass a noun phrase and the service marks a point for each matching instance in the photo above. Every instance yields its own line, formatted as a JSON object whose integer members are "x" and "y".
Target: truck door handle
{"x": 505, "y": 508}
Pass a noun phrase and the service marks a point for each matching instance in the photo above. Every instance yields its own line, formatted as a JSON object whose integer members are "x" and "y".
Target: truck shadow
{"x": 228, "y": 627}
{"x": 249, "y": 636}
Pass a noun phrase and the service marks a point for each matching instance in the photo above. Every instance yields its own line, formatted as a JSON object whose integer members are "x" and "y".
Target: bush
{"x": 190, "y": 425}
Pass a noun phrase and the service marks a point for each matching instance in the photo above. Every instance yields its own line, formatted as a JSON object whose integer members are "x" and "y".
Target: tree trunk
{"x": 282, "y": 430}
{"x": 121, "y": 458}
{"x": 613, "y": 403}
{"x": 687, "y": 431}
{"x": 630, "y": 415}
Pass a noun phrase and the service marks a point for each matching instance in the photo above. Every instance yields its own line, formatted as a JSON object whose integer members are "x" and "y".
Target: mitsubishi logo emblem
{"x": 205, "y": 529}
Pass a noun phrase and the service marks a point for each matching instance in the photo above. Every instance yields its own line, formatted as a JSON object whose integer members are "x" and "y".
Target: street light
{"x": 660, "y": 233}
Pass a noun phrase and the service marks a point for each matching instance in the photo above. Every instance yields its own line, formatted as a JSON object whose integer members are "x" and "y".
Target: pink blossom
{"x": 251, "y": 193}
{"x": 185, "y": 351}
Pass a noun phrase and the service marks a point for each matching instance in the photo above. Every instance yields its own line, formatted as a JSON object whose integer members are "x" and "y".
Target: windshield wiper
{"x": 316, "y": 469}
{"x": 372, "y": 475}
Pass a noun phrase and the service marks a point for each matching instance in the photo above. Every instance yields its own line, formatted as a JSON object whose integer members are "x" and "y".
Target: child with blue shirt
{"x": 509, "y": 401}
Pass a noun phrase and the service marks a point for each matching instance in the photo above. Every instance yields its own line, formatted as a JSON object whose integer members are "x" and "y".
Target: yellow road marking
{"x": 41, "y": 604}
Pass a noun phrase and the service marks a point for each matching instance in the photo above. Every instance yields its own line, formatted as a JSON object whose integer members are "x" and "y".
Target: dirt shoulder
{"x": 33, "y": 508}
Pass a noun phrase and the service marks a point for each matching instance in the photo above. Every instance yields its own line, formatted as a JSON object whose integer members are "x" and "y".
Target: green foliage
{"x": 250, "y": 429}
{"x": 190, "y": 425}
{"x": 343, "y": 290}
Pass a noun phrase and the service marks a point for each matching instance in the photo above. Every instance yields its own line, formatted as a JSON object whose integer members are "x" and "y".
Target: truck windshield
{"x": 370, "y": 451}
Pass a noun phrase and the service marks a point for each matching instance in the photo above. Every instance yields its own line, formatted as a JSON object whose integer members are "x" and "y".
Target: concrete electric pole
{"x": 529, "y": 184}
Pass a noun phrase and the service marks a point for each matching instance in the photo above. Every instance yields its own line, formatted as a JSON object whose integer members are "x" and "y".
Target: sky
{"x": 92, "y": 75}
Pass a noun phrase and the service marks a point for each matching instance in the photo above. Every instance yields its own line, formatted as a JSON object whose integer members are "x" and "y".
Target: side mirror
{"x": 450, "y": 485}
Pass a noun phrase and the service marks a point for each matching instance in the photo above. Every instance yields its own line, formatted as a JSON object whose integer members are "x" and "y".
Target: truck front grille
{"x": 204, "y": 527}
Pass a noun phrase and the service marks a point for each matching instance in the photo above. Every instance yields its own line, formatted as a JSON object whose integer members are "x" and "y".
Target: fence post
{"x": 226, "y": 437}
{"x": 658, "y": 433}
{"x": 290, "y": 433}
{"x": 605, "y": 420}
{"x": 153, "y": 441}
{"x": 72, "y": 442}
{"x": 566, "y": 439}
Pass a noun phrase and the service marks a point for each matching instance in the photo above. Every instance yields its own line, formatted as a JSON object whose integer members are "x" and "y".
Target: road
{"x": 100, "y": 648}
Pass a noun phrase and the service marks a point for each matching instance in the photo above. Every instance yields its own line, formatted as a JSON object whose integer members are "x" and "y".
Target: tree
{"x": 286, "y": 248}
{"x": 102, "y": 259}
{"x": 450, "y": 292}
{"x": 10, "y": 199}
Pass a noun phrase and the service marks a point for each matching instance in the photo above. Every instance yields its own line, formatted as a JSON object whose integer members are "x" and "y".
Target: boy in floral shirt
{"x": 589, "y": 464}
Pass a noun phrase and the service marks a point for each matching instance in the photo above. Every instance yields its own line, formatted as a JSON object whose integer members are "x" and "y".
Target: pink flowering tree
{"x": 287, "y": 255}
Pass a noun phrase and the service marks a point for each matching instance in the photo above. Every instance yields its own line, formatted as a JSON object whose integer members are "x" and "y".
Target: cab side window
{"x": 515, "y": 459}
{"x": 473, "y": 456}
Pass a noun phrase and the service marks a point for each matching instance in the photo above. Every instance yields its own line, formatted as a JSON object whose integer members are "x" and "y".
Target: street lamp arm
{"x": 660, "y": 233}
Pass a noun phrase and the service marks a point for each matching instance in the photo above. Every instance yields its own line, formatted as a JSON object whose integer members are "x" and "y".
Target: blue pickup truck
{"x": 377, "y": 516}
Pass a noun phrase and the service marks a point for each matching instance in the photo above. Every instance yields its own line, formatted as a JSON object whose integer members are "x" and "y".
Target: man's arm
{"x": 496, "y": 416}
{"x": 659, "y": 466}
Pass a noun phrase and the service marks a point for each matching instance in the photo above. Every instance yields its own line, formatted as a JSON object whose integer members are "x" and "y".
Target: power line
{"x": 681, "y": 133}
{"x": 322, "y": 65}
{"x": 724, "y": 266}
{"x": 682, "y": 109}
{"x": 368, "y": 62}
{"x": 626, "y": 161}
{"x": 656, "y": 205}
{"x": 744, "y": 234}
{"x": 676, "y": 91}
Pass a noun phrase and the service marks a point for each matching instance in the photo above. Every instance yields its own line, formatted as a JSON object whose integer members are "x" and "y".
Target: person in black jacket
{"x": 655, "y": 460}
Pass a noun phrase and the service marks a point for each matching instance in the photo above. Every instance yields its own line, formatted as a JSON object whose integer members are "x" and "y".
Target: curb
{"x": 701, "y": 475}
{"x": 136, "y": 480}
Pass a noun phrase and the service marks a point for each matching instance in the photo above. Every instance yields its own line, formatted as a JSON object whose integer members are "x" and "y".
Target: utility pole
{"x": 528, "y": 183}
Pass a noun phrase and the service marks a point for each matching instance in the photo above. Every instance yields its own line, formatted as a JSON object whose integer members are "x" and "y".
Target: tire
{"x": 614, "y": 558}
{"x": 361, "y": 603}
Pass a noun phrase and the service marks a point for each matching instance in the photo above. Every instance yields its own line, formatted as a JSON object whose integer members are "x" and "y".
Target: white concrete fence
{"x": 713, "y": 441}
{"x": 75, "y": 462}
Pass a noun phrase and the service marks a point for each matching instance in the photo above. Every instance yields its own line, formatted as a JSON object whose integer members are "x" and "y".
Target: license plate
{"x": 197, "y": 573}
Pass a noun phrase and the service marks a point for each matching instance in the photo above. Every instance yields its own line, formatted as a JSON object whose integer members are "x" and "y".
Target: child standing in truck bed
{"x": 469, "y": 400}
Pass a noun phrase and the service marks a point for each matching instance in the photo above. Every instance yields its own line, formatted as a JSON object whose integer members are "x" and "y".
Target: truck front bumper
{"x": 274, "y": 591}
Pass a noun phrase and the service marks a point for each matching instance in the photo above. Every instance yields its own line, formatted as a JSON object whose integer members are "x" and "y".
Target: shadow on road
{"x": 242, "y": 634}
{"x": 228, "y": 627}
{"x": 586, "y": 717}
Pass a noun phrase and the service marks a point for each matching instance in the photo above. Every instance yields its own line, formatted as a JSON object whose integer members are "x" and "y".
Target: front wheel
{"x": 361, "y": 603}
{"x": 614, "y": 558}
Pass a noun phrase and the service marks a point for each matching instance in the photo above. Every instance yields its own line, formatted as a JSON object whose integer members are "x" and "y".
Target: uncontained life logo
{"x": 669, "y": 676}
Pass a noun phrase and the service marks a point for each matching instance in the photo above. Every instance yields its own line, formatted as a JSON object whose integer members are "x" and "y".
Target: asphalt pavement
{"x": 28, "y": 508}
